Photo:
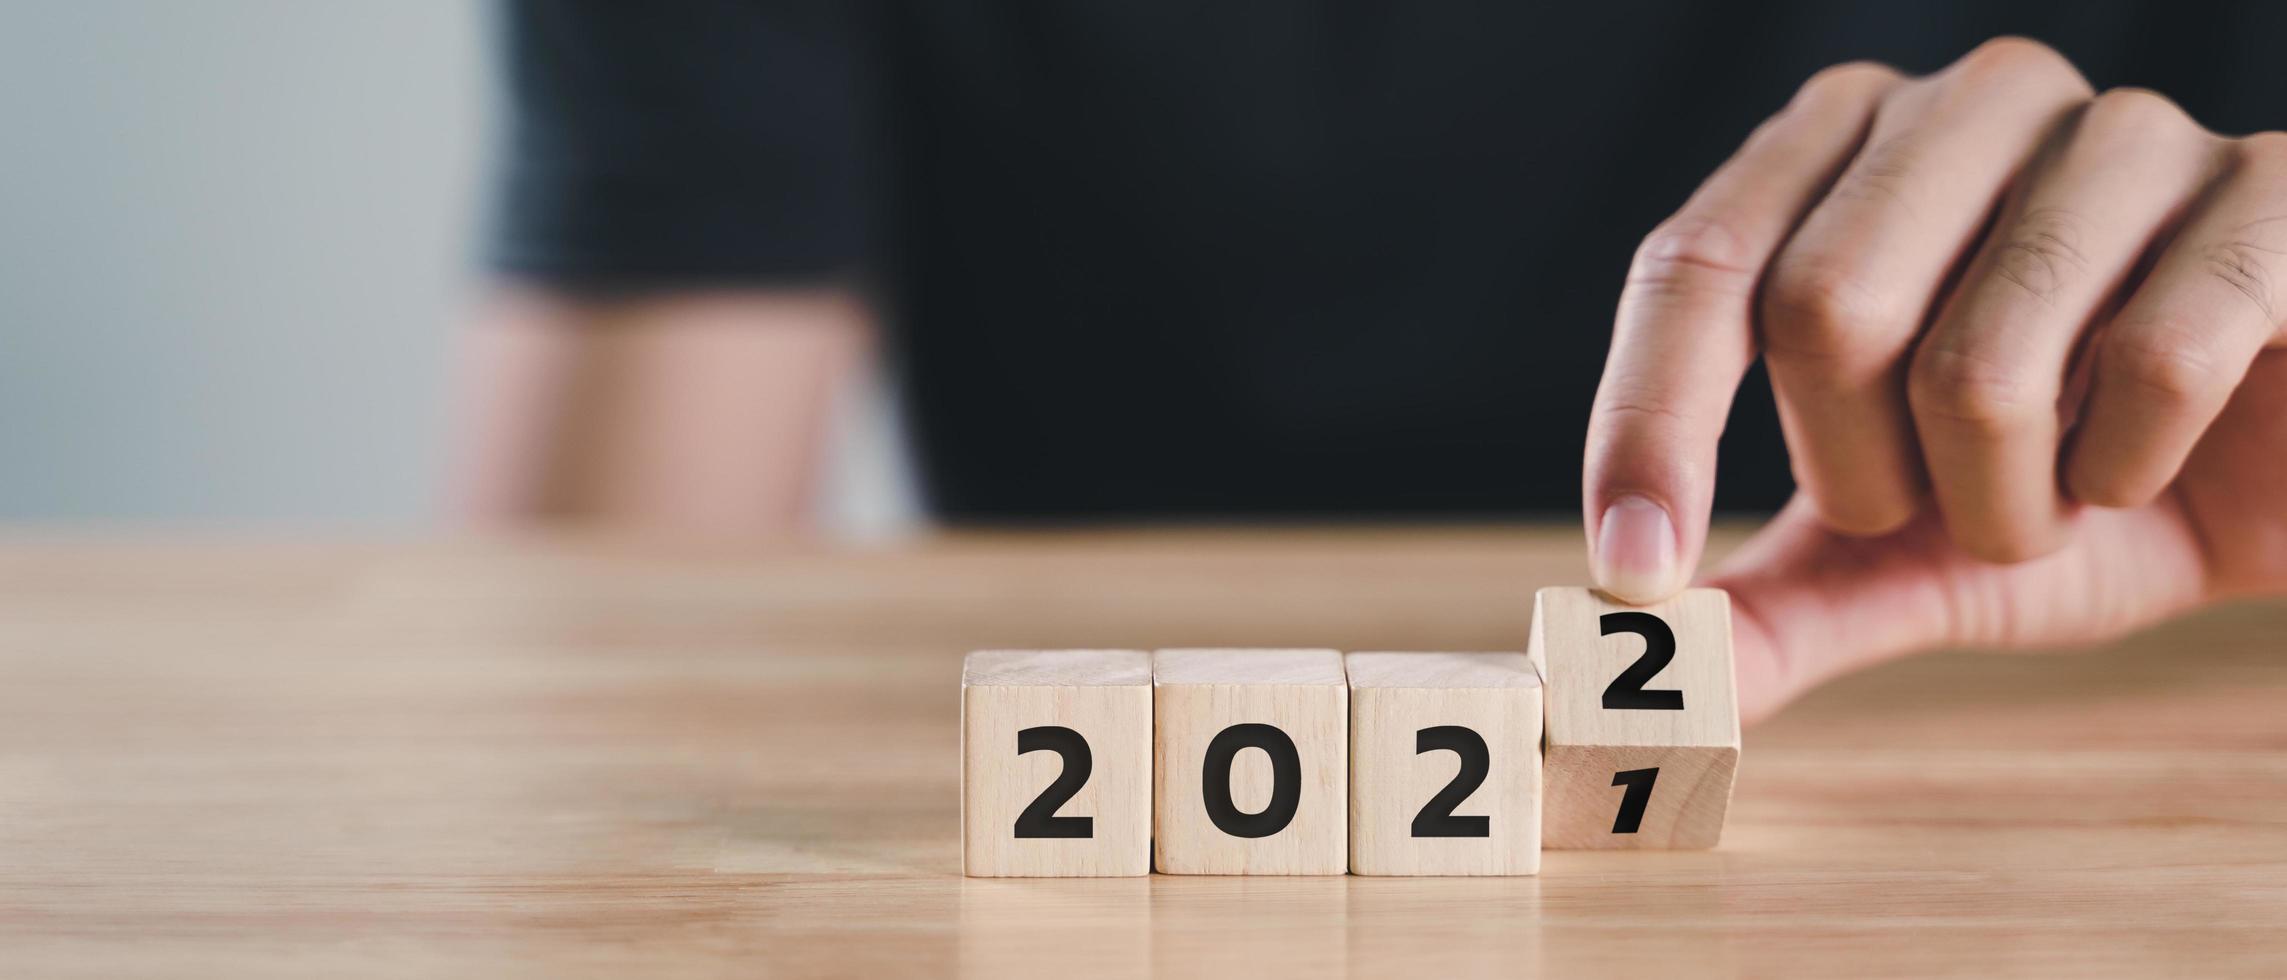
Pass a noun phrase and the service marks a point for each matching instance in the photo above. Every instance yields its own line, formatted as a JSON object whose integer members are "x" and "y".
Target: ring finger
{"x": 1985, "y": 382}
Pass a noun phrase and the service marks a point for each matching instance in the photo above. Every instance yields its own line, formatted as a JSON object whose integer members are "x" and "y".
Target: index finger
{"x": 1685, "y": 334}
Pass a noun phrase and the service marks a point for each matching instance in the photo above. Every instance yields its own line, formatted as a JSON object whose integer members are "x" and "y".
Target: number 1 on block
{"x": 1642, "y": 737}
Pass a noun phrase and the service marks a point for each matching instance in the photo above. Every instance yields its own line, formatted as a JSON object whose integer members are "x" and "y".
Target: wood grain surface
{"x": 576, "y": 758}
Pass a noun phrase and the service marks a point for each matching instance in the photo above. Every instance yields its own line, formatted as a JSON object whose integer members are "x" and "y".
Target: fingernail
{"x": 1635, "y": 556}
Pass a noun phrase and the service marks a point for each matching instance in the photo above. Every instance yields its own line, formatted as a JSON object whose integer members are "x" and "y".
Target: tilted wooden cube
{"x": 1642, "y": 735}
{"x": 1445, "y": 764}
{"x": 1056, "y": 763}
{"x": 1251, "y": 762}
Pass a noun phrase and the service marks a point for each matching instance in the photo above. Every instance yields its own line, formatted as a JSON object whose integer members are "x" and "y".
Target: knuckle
{"x": 2140, "y": 123}
{"x": 2041, "y": 254}
{"x": 1884, "y": 173}
{"x": 1695, "y": 253}
{"x": 2134, "y": 112}
{"x": 1645, "y": 411}
{"x": 2245, "y": 267}
{"x": 1966, "y": 390}
{"x": 1639, "y": 404}
{"x": 1792, "y": 134}
{"x": 1820, "y": 309}
{"x": 2163, "y": 367}
{"x": 2011, "y": 59}
{"x": 1848, "y": 79}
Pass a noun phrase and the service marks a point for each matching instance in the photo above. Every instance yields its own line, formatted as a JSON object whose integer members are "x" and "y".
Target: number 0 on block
{"x": 1250, "y": 762}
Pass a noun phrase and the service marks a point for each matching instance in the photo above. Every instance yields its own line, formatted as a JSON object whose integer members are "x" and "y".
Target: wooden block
{"x": 1445, "y": 764}
{"x": 1251, "y": 762}
{"x": 1643, "y": 719}
{"x": 1056, "y": 763}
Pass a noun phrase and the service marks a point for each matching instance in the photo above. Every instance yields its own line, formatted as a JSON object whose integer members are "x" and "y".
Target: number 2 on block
{"x": 1437, "y": 818}
{"x": 1040, "y": 819}
{"x": 1627, "y": 690}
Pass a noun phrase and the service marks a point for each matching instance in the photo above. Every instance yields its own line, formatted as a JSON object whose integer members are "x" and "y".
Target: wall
{"x": 234, "y": 240}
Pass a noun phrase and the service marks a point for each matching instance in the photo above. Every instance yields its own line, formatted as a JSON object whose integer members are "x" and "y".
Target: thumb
{"x": 1809, "y": 604}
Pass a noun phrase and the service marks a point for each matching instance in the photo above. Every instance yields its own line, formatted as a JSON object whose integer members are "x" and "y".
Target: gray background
{"x": 235, "y": 247}
{"x": 234, "y": 243}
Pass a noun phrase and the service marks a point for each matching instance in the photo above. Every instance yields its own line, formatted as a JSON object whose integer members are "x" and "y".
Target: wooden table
{"x": 556, "y": 758}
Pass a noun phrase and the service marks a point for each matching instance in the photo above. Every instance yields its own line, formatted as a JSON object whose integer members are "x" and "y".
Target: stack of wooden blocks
{"x": 1618, "y": 728}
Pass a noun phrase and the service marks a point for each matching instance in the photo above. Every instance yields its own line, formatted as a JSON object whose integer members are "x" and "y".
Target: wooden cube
{"x": 1250, "y": 762}
{"x": 1445, "y": 764}
{"x": 1643, "y": 719}
{"x": 1056, "y": 763}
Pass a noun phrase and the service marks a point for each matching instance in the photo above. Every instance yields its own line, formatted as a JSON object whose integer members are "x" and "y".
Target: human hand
{"x": 2028, "y": 348}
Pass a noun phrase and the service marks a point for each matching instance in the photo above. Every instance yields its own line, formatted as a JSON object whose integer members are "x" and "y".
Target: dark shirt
{"x": 1227, "y": 258}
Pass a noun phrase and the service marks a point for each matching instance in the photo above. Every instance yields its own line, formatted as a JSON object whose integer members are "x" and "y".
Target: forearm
{"x": 700, "y": 413}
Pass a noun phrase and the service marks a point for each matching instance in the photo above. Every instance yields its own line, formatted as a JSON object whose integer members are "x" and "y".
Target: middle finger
{"x": 1855, "y": 284}
{"x": 1985, "y": 382}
